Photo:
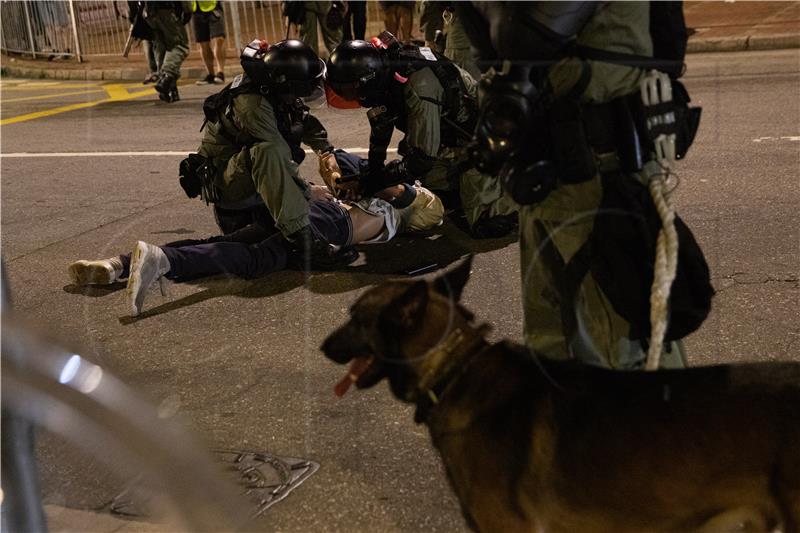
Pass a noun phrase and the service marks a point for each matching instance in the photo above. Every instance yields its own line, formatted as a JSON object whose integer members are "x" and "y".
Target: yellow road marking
{"x": 134, "y": 84}
{"x": 51, "y": 85}
{"x": 43, "y": 97}
{"x": 115, "y": 92}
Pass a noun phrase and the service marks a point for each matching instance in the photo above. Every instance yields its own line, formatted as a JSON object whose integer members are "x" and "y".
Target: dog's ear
{"x": 451, "y": 284}
{"x": 407, "y": 309}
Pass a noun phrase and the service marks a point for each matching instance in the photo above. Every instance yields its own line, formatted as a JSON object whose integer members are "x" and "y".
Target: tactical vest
{"x": 218, "y": 108}
{"x": 459, "y": 110}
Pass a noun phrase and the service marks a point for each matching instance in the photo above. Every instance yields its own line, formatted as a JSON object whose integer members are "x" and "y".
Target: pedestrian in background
{"x": 209, "y": 32}
{"x": 457, "y": 44}
{"x": 398, "y": 17}
{"x": 142, "y": 31}
{"x": 319, "y": 13}
{"x": 431, "y": 21}
{"x": 155, "y": 58}
{"x": 356, "y": 17}
{"x": 168, "y": 21}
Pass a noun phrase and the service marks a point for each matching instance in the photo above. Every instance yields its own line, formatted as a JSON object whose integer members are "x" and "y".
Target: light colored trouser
{"x": 567, "y": 216}
{"x": 154, "y": 55}
{"x": 170, "y": 39}
{"x": 399, "y": 19}
{"x": 317, "y": 12}
{"x": 260, "y": 170}
{"x": 479, "y": 192}
{"x": 458, "y": 49}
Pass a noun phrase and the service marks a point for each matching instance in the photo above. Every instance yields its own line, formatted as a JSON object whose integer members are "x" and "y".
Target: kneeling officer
{"x": 250, "y": 154}
{"x": 432, "y": 101}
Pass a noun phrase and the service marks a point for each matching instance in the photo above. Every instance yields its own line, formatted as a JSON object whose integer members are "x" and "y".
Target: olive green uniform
{"x": 170, "y": 38}
{"x": 430, "y": 19}
{"x": 457, "y": 47}
{"x": 317, "y": 13}
{"x": 479, "y": 192}
{"x": 264, "y": 169}
{"x": 566, "y": 216}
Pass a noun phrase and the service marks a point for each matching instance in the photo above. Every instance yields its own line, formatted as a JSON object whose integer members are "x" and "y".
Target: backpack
{"x": 620, "y": 253}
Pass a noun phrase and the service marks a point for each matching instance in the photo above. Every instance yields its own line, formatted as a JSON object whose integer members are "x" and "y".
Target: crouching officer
{"x": 248, "y": 162}
{"x": 168, "y": 21}
{"x": 565, "y": 124}
{"x": 434, "y": 103}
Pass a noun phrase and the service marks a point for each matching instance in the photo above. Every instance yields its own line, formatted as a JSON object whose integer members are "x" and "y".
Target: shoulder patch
{"x": 237, "y": 81}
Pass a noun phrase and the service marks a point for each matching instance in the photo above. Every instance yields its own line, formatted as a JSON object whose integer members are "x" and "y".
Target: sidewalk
{"x": 721, "y": 26}
{"x": 737, "y": 26}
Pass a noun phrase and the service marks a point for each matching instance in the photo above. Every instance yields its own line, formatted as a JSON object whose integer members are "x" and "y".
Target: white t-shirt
{"x": 425, "y": 212}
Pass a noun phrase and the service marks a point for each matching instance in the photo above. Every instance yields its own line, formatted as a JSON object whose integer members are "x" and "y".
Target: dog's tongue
{"x": 357, "y": 367}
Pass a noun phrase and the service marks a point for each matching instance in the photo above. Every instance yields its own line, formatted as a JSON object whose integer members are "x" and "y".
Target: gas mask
{"x": 511, "y": 139}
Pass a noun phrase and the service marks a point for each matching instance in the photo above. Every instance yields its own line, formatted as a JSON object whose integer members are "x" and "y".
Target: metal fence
{"x": 48, "y": 28}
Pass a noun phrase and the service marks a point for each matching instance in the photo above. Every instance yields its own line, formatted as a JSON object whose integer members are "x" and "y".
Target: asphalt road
{"x": 240, "y": 360}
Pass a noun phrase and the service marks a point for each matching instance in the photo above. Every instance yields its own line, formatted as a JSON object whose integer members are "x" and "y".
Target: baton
{"x": 128, "y": 43}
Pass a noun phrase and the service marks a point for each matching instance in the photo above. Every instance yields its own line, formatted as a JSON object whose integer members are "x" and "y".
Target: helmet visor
{"x": 339, "y": 102}
{"x": 345, "y": 90}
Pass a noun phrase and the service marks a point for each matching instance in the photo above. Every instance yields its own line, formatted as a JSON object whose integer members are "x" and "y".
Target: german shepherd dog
{"x": 531, "y": 444}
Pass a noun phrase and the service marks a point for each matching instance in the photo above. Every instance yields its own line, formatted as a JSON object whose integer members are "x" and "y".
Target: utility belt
{"x": 578, "y": 141}
{"x": 618, "y": 138}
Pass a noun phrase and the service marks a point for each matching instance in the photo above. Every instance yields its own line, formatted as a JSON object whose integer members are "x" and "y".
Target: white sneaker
{"x": 149, "y": 264}
{"x": 100, "y": 272}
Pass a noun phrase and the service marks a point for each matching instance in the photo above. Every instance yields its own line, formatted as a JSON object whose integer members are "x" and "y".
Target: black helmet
{"x": 357, "y": 70}
{"x": 286, "y": 67}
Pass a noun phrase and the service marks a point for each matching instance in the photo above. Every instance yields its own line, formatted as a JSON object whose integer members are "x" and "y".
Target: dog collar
{"x": 451, "y": 358}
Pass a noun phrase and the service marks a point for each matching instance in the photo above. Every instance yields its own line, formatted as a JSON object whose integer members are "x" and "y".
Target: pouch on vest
{"x": 687, "y": 119}
{"x": 196, "y": 176}
{"x": 620, "y": 253}
{"x": 216, "y": 104}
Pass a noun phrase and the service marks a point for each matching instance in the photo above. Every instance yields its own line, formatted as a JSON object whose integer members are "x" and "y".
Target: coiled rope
{"x": 664, "y": 269}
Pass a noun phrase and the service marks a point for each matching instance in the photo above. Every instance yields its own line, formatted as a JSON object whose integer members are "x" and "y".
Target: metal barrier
{"x": 53, "y": 28}
{"x": 39, "y": 28}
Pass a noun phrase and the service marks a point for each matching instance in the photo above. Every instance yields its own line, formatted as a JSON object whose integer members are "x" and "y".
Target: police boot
{"x": 311, "y": 250}
{"x": 167, "y": 87}
{"x": 487, "y": 227}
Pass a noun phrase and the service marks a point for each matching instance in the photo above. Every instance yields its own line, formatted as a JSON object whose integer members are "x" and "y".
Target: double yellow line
{"x": 115, "y": 92}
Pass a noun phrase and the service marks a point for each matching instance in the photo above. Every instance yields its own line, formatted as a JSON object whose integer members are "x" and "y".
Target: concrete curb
{"x": 698, "y": 45}
{"x": 744, "y": 43}
{"x": 110, "y": 74}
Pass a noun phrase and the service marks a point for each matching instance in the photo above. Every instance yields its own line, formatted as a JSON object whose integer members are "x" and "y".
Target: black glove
{"x": 392, "y": 173}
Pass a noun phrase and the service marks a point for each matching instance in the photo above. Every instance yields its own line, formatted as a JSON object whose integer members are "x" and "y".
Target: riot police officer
{"x": 168, "y": 21}
{"x": 562, "y": 123}
{"x": 248, "y": 162}
{"x": 433, "y": 102}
